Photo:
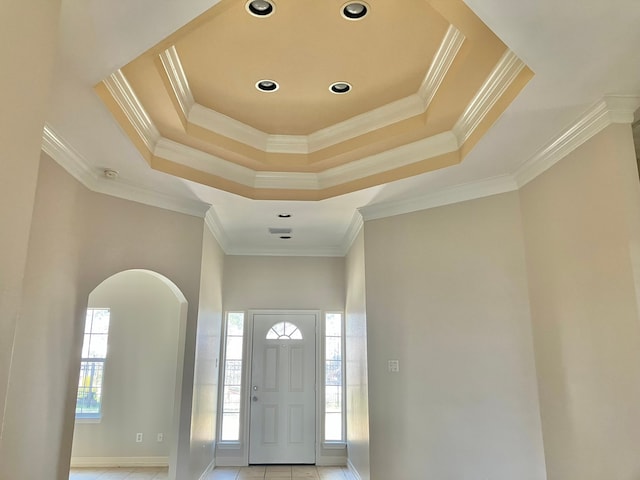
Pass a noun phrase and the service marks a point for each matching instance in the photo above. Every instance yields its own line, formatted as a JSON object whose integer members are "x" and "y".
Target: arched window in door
{"x": 284, "y": 331}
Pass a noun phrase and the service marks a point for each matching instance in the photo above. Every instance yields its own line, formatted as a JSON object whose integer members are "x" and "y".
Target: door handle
{"x": 254, "y": 398}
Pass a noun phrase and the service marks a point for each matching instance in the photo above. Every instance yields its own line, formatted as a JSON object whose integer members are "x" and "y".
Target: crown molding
{"x": 212, "y": 222}
{"x": 54, "y": 146}
{"x": 375, "y": 119}
{"x": 352, "y": 232}
{"x": 123, "y": 94}
{"x": 446, "y": 196}
{"x": 441, "y": 64}
{"x": 177, "y": 79}
{"x": 503, "y": 74}
{"x": 611, "y": 109}
{"x": 287, "y": 180}
{"x": 395, "y": 158}
{"x": 205, "y": 162}
{"x": 288, "y": 251}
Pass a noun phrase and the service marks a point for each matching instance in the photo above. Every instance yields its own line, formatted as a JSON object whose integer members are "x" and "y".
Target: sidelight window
{"x": 232, "y": 379}
{"x": 333, "y": 374}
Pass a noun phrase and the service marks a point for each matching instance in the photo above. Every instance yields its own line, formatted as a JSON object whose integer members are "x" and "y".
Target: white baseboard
{"x": 353, "y": 470}
{"x": 119, "y": 462}
{"x": 208, "y": 470}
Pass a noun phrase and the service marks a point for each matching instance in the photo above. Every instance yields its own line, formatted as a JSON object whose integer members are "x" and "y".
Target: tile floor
{"x": 254, "y": 472}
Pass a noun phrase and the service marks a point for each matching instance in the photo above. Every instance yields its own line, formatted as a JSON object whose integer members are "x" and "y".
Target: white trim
{"x": 58, "y": 149}
{"x": 611, "y": 109}
{"x": 429, "y": 147}
{"x": 375, "y": 119}
{"x": 286, "y": 180}
{"x": 218, "y": 123}
{"x": 212, "y": 222}
{"x": 106, "y": 462}
{"x": 446, "y": 196}
{"x": 444, "y": 57}
{"x": 177, "y": 79}
{"x": 123, "y": 94}
{"x": 208, "y": 470}
{"x": 288, "y": 251}
{"x": 352, "y": 232}
{"x": 353, "y": 470}
{"x": 503, "y": 74}
{"x": 205, "y": 162}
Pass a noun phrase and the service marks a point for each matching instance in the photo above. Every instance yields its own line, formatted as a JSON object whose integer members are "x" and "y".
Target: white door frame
{"x": 247, "y": 373}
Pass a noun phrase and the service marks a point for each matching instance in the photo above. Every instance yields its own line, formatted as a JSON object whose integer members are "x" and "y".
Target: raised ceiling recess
{"x": 247, "y": 103}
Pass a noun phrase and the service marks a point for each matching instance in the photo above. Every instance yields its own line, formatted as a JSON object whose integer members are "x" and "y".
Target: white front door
{"x": 283, "y": 378}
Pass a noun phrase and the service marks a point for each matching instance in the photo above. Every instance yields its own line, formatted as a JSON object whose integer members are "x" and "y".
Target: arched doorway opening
{"x": 131, "y": 373}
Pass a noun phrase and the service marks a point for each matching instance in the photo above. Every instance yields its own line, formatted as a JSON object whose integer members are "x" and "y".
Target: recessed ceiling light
{"x": 354, "y": 10}
{"x": 285, "y": 237}
{"x": 260, "y": 8}
{"x": 267, "y": 85}
{"x": 340, "y": 87}
{"x": 284, "y": 215}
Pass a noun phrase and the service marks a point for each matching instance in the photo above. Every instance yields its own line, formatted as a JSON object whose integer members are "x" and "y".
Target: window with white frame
{"x": 232, "y": 377}
{"x": 94, "y": 355}
{"x": 333, "y": 374}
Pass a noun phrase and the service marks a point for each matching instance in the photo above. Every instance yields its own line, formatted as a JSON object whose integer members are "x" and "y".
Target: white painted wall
{"x": 581, "y": 224}
{"x": 28, "y": 30}
{"x": 446, "y": 294}
{"x": 139, "y": 388}
{"x": 78, "y": 239}
{"x": 357, "y": 404}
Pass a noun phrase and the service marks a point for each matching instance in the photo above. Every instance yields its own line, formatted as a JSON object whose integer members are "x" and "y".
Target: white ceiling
{"x": 580, "y": 51}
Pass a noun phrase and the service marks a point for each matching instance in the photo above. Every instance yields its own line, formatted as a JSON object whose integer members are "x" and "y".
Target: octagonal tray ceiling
{"x": 428, "y": 79}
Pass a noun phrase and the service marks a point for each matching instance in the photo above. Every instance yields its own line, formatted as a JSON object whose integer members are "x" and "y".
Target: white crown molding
{"x": 378, "y": 163}
{"x": 445, "y": 196}
{"x": 205, "y": 162}
{"x": 395, "y": 158}
{"x": 441, "y": 64}
{"x": 503, "y": 74}
{"x": 375, "y": 119}
{"x": 218, "y": 123}
{"x": 177, "y": 79}
{"x": 54, "y": 146}
{"x": 609, "y": 110}
{"x": 287, "y": 251}
{"x": 212, "y": 222}
{"x": 287, "y": 180}
{"x": 352, "y": 232}
{"x": 123, "y": 94}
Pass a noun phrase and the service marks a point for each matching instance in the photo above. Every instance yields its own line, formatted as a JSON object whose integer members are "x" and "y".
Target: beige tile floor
{"x": 269, "y": 472}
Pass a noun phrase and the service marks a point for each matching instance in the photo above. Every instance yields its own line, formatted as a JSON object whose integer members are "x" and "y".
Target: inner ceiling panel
{"x": 305, "y": 47}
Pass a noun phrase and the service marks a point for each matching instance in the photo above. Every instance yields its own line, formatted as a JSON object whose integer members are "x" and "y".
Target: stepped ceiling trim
{"x": 191, "y": 109}
{"x": 386, "y": 115}
{"x": 607, "y": 111}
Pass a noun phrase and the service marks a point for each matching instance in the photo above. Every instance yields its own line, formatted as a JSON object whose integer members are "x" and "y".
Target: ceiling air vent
{"x": 279, "y": 231}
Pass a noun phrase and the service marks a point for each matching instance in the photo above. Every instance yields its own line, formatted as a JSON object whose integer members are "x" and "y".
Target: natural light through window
{"x": 284, "y": 331}
{"x": 333, "y": 422}
{"x": 232, "y": 377}
{"x": 94, "y": 354}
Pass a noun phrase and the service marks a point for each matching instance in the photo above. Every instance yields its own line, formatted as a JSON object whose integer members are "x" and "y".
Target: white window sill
{"x": 229, "y": 445}
{"x": 334, "y": 445}
{"x": 88, "y": 420}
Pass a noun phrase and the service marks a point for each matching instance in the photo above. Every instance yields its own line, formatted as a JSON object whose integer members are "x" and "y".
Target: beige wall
{"x": 139, "y": 391}
{"x": 205, "y": 388}
{"x": 46, "y": 343}
{"x": 447, "y": 297}
{"x": 581, "y": 228}
{"x": 28, "y": 31}
{"x": 78, "y": 239}
{"x": 283, "y": 283}
{"x": 357, "y": 406}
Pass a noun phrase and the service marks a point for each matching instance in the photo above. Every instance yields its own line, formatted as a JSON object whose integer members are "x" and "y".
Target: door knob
{"x": 254, "y": 398}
